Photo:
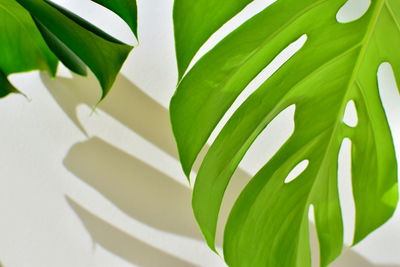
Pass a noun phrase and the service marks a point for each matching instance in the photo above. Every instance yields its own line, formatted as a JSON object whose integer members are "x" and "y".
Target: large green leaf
{"x": 268, "y": 225}
{"x": 206, "y": 16}
{"x": 35, "y": 33}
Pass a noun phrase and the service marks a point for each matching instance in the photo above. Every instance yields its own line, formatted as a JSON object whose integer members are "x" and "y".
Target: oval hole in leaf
{"x": 296, "y": 171}
{"x": 352, "y": 10}
{"x": 350, "y": 114}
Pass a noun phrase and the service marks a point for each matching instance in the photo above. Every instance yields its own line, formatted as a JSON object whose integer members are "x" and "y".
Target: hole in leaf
{"x": 390, "y": 99}
{"x": 296, "y": 171}
{"x": 313, "y": 237}
{"x": 345, "y": 191}
{"x": 352, "y": 10}
{"x": 350, "y": 114}
{"x": 269, "y": 141}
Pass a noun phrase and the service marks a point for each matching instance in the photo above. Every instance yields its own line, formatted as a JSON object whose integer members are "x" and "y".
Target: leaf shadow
{"x": 127, "y": 104}
{"x": 136, "y": 188}
{"x": 130, "y": 184}
{"x": 123, "y": 244}
{"x": 133, "y": 186}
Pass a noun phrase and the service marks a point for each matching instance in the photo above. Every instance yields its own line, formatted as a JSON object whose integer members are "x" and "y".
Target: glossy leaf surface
{"x": 268, "y": 225}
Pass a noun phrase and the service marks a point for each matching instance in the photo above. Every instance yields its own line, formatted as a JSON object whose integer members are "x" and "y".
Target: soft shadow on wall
{"x": 122, "y": 244}
{"x": 97, "y": 162}
{"x": 136, "y": 188}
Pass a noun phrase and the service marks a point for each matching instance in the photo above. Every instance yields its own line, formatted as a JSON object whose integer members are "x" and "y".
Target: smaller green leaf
{"x": 21, "y": 46}
{"x": 76, "y": 41}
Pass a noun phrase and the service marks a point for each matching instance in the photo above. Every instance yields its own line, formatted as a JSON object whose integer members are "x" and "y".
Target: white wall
{"x": 103, "y": 188}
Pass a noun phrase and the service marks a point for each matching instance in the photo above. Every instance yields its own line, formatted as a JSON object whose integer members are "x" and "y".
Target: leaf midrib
{"x": 364, "y": 44}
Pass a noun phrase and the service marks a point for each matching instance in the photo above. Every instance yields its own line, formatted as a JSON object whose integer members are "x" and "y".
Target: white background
{"x": 82, "y": 187}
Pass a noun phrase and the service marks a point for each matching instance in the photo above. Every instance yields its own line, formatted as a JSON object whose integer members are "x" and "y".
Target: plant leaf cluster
{"x": 37, "y": 34}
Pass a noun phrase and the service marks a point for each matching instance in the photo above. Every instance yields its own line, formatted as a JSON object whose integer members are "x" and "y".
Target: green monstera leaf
{"x": 36, "y": 34}
{"x": 268, "y": 224}
{"x": 205, "y": 18}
